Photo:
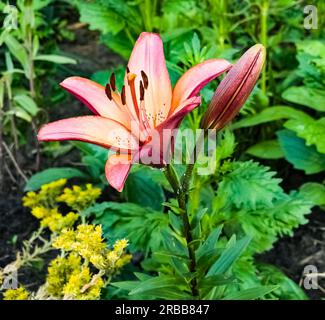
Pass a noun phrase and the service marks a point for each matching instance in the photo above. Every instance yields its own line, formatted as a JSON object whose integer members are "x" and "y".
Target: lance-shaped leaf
{"x": 234, "y": 89}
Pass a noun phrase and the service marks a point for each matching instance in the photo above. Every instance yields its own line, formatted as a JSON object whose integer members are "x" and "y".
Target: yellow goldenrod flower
{"x": 59, "y": 271}
{"x": 56, "y": 221}
{"x": 16, "y": 294}
{"x": 125, "y": 259}
{"x": 82, "y": 286}
{"x": 87, "y": 241}
{"x": 78, "y": 198}
{"x": 41, "y": 212}
{"x": 66, "y": 240}
{"x": 120, "y": 245}
{"x": 46, "y": 196}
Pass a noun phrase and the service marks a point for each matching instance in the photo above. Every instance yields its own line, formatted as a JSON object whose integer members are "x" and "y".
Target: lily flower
{"x": 234, "y": 89}
{"x": 126, "y": 121}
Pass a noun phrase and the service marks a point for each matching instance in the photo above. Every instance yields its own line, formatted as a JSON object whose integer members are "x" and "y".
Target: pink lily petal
{"x": 164, "y": 133}
{"x": 117, "y": 169}
{"x": 93, "y": 96}
{"x": 148, "y": 56}
{"x": 192, "y": 81}
{"x": 94, "y": 129}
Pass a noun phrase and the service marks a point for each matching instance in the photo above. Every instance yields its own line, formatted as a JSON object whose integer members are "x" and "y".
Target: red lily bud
{"x": 234, "y": 89}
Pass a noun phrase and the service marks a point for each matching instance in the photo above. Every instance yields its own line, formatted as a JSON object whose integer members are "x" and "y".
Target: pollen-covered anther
{"x": 108, "y": 91}
{"x": 145, "y": 79}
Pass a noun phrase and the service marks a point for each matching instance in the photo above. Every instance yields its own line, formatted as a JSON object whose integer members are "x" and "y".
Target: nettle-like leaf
{"x": 313, "y": 131}
{"x": 249, "y": 185}
{"x": 267, "y": 224}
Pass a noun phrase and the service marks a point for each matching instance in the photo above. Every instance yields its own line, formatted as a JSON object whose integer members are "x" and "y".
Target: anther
{"x": 112, "y": 81}
{"x": 145, "y": 79}
{"x": 108, "y": 91}
{"x": 123, "y": 98}
{"x": 141, "y": 91}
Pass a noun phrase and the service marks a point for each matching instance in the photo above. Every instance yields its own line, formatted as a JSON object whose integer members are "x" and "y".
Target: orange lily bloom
{"x": 126, "y": 121}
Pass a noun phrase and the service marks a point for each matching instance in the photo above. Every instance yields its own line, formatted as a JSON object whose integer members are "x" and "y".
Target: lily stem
{"x": 181, "y": 191}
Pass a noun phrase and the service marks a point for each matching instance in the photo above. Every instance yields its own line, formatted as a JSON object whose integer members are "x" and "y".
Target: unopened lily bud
{"x": 234, "y": 89}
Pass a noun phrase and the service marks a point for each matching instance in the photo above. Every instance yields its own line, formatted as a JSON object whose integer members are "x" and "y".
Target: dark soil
{"x": 291, "y": 255}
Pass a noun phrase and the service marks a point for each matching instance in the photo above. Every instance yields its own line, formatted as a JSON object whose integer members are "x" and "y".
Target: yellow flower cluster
{"x": 87, "y": 241}
{"x": 53, "y": 219}
{"x": 46, "y": 196}
{"x": 16, "y": 294}
{"x": 80, "y": 198}
{"x": 68, "y": 278}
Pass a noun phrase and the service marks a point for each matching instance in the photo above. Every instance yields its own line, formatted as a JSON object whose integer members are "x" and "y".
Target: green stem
{"x": 181, "y": 191}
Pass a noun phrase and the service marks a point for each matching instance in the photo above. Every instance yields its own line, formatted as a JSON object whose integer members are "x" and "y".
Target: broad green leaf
{"x": 309, "y": 97}
{"x": 270, "y": 114}
{"x": 142, "y": 189}
{"x": 251, "y": 294}
{"x": 55, "y": 59}
{"x": 20, "y": 113}
{"x": 214, "y": 281}
{"x": 159, "y": 282}
{"x": 52, "y": 174}
{"x": 27, "y": 103}
{"x": 19, "y": 52}
{"x": 301, "y": 156}
{"x": 100, "y": 18}
{"x": 229, "y": 256}
{"x": 313, "y": 131}
{"x": 269, "y": 149}
{"x": 313, "y": 192}
{"x": 209, "y": 244}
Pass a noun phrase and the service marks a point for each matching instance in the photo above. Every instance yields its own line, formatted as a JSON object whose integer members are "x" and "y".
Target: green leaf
{"x": 301, "y": 156}
{"x": 209, "y": 244}
{"x": 267, "y": 224}
{"x": 19, "y": 52}
{"x": 250, "y": 185}
{"x": 269, "y": 149}
{"x": 100, "y": 18}
{"x": 20, "y": 113}
{"x": 142, "y": 226}
{"x": 158, "y": 283}
{"x": 229, "y": 256}
{"x": 52, "y": 174}
{"x": 270, "y": 114}
{"x": 140, "y": 188}
{"x": 313, "y": 192}
{"x": 214, "y": 281}
{"x": 55, "y": 59}
{"x": 313, "y": 131}
{"x": 27, "y": 103}
{"x": 309, "y": 97}
{"x": 251, "y": 294}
